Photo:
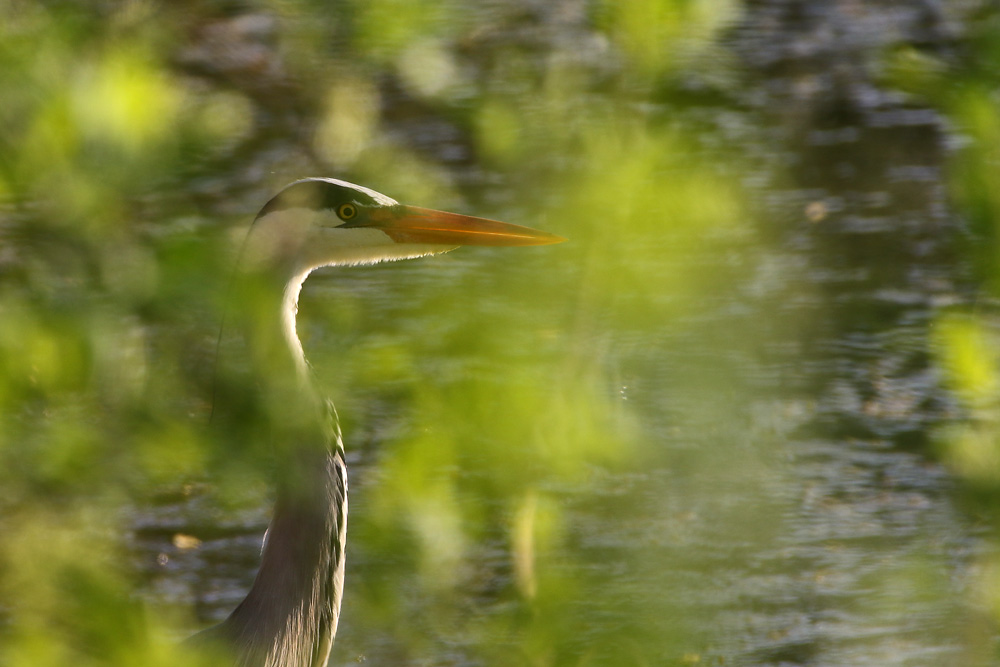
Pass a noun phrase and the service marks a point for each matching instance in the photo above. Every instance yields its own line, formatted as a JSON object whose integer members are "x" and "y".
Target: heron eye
{"x": 347, "y": 211}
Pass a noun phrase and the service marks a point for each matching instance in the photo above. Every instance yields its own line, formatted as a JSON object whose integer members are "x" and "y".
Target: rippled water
{"x": 828, "y": 329}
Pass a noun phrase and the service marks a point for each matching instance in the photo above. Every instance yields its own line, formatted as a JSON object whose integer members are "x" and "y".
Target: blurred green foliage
{"x": 963, "y": 83}
{"x": 138, "y": 138}
{"x": 963, "y": 86}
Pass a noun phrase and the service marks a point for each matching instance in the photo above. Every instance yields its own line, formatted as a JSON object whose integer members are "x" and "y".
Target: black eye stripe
{"x": 318, "y": 195}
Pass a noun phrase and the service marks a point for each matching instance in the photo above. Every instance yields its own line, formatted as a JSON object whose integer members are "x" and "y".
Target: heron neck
{"x": 289, "y": 309}
{"x": 264, "y": 316}
{"x": 290, "y": 614}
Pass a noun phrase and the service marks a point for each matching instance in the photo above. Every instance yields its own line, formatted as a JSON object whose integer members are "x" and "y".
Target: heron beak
{"x": 411, "y": 224}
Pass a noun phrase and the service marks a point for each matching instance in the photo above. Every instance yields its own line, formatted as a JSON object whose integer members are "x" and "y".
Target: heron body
{"x": 289, "y": 617}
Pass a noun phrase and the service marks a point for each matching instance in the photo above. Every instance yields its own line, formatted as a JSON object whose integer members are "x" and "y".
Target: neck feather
{"x": 289, "y": 309}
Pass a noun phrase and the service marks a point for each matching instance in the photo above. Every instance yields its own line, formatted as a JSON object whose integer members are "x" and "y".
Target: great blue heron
{"x": 289, "y": 617}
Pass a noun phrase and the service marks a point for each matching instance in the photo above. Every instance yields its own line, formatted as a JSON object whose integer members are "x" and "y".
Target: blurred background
{"x": 748, "y": 415}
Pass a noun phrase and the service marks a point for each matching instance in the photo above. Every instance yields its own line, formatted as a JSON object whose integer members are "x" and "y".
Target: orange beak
{"x": 411, "y": 224}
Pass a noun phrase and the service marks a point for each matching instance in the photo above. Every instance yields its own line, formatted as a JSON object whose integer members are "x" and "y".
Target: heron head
{"x": 323, "y": 221}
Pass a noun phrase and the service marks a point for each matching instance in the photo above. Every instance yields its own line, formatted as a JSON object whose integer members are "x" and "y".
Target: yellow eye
{"x": 347, "y": 211}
